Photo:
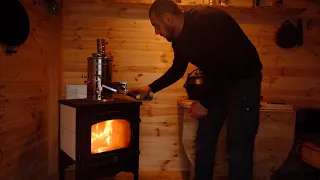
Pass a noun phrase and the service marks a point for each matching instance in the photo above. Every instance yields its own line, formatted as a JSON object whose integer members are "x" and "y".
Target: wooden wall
{"x": 141, "y": 57}
{"x": 28, "y": 88}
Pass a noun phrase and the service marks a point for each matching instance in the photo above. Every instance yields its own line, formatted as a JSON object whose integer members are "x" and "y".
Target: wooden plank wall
{"x": 141, "y": 57}
{"x": 27, "y": 90}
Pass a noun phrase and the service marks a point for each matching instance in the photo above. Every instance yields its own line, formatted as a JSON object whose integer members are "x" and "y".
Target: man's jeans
{"x": 241, "y": 110}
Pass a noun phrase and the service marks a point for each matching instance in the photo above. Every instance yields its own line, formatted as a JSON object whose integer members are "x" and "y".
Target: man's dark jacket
{"x": 214, "y": 42}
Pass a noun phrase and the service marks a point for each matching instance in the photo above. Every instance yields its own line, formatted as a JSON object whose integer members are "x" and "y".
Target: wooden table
{"x": 272, "y": 146}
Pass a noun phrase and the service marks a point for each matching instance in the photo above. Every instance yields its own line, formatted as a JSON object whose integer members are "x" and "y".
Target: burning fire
{"x": 110, "y": 135}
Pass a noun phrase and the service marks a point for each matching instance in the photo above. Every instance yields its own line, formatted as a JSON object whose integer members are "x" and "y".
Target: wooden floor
{"x": 172, "y": 175}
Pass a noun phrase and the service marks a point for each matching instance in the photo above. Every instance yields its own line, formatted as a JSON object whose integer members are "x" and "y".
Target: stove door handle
{"x": 111, "y": 113}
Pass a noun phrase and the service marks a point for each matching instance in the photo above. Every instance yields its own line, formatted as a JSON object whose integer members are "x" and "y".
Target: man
{"x": 212, "y": 40}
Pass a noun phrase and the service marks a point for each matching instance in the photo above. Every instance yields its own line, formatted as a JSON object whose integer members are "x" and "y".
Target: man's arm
{"x": 174, "y": 73}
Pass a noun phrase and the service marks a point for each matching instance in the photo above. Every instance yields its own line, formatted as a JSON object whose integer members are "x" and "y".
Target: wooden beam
{"x": 260, "y": 12}
{"x": 54, "y": 71}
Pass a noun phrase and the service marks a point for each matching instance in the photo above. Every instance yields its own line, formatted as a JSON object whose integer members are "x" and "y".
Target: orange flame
{"x": 109, "y": 135}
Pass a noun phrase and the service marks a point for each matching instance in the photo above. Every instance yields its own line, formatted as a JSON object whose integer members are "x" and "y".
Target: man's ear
{"x": 167, "y": 18}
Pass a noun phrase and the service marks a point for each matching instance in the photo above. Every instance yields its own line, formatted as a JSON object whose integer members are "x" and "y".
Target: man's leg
{"x": 207, "y": 136}
{"x": 242, "y": 126}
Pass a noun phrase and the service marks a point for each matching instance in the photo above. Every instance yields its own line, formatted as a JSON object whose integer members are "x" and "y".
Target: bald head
{"x": 160, "y": 7}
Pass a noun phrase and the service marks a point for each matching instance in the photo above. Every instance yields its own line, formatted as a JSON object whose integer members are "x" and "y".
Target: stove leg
{"x": 136, "y": 170}
{"x": 62, "y": 165}
{"x": 136, "y": 176}
{"x": 80, "y": 175}
{"x": 64, "y": 162}
{"x": 62, "y": 173}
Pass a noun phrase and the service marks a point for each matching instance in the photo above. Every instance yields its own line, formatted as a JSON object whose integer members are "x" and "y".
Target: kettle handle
{"x": 185, "y": 83}
{"x": 192, "y": 72}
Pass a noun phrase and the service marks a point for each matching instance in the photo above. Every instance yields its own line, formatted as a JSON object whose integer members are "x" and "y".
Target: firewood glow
{"x": 110, "y": 135}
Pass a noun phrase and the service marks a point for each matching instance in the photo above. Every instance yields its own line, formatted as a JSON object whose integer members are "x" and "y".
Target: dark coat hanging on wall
{"x": 288, "y": 35}
{"x": 15, "y": 25}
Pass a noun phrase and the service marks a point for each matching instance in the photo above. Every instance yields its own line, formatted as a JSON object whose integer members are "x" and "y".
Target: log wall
{"x": 140, "y": 57}
{"x": 28, "y": 95}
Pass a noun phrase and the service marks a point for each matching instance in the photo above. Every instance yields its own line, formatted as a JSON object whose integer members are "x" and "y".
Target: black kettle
{"x": 194, "y": 84}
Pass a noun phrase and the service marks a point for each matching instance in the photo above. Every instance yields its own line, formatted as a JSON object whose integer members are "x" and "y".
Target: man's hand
{"x": 197, "y": 111}
{"x": 144, "y": 91}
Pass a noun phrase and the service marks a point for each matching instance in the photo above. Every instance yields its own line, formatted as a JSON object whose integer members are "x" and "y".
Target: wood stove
{"x": 100, "y": 137}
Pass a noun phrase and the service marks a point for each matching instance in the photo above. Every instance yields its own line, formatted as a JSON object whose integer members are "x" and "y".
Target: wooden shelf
{"x": 259, "y": 12}
{"x": 184, "y": 102}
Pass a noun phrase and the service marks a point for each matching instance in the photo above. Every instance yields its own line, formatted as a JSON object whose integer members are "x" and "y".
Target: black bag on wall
{"x": 288, "y": 35}
{"x": 15, "y": 25}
